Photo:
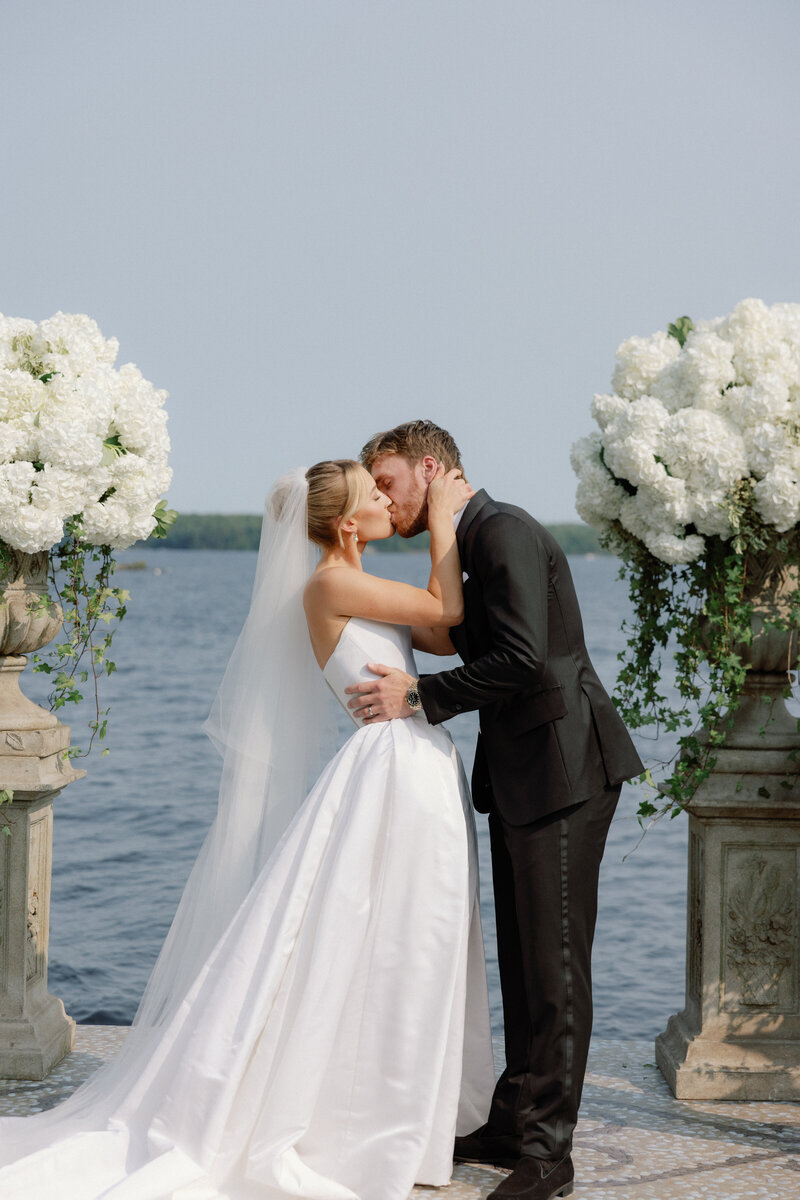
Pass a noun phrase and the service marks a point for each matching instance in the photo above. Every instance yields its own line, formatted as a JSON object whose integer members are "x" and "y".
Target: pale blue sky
{"x": 312, "y": 219}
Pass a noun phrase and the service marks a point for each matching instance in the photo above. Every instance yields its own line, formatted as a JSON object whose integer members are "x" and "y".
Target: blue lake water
{"x": 125, "y": 836}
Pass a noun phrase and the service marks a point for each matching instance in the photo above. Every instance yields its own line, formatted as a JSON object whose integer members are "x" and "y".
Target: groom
{"x": 549, "y": 764}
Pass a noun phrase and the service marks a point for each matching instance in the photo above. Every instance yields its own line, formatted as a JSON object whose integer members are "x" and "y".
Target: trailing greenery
{"x": 6, "y": 796}
{"x": 81, "y": 577}
{"x": 700, "y": 613}
{"x": 92, "y": 607}
{"x": 686, "y": 435}
{"x": 60, "y": 367}
{"x": 240, "y": 531}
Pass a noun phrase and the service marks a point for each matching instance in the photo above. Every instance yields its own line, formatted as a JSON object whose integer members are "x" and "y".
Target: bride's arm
{"x": 435, "y": 639}
{"x": 432, "y": 641}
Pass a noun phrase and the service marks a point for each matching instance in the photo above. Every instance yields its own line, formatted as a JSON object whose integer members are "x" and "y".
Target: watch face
{"x": 412, "y": 699}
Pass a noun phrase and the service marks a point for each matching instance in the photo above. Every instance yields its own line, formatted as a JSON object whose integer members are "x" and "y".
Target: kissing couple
{"x": 316, "y": 1024}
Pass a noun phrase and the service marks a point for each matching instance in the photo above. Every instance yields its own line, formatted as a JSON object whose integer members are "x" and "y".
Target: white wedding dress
{"x": 338, "y": 1036}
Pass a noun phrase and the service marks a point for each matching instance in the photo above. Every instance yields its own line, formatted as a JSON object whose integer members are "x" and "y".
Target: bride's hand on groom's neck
{"x": 448, "y": 491}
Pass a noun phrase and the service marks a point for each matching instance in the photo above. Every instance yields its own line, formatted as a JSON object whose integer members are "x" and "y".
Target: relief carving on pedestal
{"x": 33, "y": 936}
{"x": 760, "y": 941}
{"x": 38, "y": 889}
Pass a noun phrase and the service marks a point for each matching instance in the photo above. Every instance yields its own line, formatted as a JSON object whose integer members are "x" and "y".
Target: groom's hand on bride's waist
{"x": 383, "y": 698}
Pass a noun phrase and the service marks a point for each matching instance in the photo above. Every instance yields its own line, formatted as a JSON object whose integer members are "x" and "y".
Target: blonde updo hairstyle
{"x": 336, "y": 490}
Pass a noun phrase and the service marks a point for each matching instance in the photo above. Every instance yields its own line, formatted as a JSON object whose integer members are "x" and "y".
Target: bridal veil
{"x": 268, "y": 721}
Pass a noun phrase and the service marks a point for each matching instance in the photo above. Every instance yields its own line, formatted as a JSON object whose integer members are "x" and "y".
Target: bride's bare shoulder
{"x": 326, "y": 583}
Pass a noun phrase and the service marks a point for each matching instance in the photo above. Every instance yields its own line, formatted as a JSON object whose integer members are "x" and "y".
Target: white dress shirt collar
{"x": 457, "y": 516}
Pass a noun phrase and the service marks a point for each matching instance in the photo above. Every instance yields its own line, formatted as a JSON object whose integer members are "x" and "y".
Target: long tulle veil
{"x": 268, "y": 721}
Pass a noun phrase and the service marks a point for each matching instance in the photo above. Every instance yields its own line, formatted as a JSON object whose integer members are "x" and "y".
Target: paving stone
{"x": 634, "y": 1141}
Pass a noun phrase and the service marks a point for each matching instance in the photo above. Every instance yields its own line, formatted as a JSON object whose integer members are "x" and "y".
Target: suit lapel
{"x": 470, "y": 513}
{"x": 478, "y": 508}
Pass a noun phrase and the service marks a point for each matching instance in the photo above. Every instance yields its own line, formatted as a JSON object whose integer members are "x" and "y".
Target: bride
{"x": 316, "y": 1024}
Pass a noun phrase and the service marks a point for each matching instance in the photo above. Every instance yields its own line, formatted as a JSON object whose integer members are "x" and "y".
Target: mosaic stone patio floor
{"x": 634, "y": 1140}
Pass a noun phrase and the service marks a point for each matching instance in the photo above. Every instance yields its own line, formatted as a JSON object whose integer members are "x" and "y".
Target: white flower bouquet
{"x": 79, "y": 440}
{"x": 83, "y": 464}
{"x": 693, "y": 478}
{"x": 704, "y": 421}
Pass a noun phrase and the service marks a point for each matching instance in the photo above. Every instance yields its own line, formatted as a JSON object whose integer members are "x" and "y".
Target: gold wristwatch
{"x": 412, "y": 697}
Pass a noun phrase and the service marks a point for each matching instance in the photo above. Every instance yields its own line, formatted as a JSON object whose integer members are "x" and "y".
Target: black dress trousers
{"x": 545, "y": 878}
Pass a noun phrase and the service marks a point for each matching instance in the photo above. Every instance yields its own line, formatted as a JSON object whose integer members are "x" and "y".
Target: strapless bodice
{"x": 362, "y": 641}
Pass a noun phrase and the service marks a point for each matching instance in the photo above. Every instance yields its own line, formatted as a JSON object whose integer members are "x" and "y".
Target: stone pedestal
{"x": 35, "y": 1032}
{"x": 738, "y": 1038}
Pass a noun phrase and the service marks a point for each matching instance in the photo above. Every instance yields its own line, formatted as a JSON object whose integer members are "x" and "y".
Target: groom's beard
{"x": 409, "y": 526}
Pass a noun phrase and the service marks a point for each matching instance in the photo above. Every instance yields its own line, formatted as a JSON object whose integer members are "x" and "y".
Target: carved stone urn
{"x": 35, "y": 1032}
{"x": 738, "y": 1036}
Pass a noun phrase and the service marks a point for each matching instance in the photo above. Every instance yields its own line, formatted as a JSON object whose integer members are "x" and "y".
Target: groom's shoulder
{"x": 522, "y": 514}
{"x": 512, "y": 515}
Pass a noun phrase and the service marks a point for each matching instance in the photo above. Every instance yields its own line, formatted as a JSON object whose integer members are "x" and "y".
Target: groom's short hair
{"x": 413, "y": 441}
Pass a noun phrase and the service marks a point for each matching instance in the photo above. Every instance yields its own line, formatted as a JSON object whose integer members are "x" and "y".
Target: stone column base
{"x": 738, "y": 1035}
{"x": 697, "y": 1067}
{"x": 35, "y": 1032}
{"x": 31, "y": 1045}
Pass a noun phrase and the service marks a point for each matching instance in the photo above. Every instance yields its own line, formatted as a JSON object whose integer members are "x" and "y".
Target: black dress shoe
{"x": 485, "y": 1146}
{"x": 537, "y": 1179}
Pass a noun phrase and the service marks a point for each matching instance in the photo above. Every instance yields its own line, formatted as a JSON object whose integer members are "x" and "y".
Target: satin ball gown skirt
{"x": 338, "y": 1037}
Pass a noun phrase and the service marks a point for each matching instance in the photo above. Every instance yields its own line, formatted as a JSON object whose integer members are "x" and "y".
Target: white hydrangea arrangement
{"x": 703, "y": 420}
{"x": 83, "y": 464}
{"x": 693, "y": 478}
{"x": 79, "y": 438}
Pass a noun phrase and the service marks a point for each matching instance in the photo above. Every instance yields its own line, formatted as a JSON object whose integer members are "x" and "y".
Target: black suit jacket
{"x": 550, "y": 735}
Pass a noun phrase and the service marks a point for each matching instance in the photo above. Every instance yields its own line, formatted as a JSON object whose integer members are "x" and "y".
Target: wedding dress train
{"x": 338, "y": 1037}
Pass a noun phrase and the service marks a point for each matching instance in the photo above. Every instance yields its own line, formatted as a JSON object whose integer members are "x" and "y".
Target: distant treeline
{"x": 240, "y": 531}
{"x": 212, "y": 531}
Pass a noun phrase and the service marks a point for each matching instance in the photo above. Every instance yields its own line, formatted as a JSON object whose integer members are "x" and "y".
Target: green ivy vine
{"x": 81, "y": 576}
{"x": 699, "y": 615}
{"x": 93, "y": 607}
